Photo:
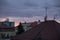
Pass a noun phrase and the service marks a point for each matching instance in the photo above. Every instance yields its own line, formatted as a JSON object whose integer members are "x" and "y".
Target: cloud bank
{"x": 28, "y": 8}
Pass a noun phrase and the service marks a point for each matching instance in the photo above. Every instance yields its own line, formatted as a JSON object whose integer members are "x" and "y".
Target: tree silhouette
{"x": 20, "y": 29}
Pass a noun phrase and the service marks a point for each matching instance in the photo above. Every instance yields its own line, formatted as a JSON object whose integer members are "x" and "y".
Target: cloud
{"x": 3, "y": 2}
{"x": 35, "y": 3}
{"x": 57, "y": 3}
{"x": 28, "y": 7}
{"x": 54, "y": 3}
{"x": 31, "y": 3}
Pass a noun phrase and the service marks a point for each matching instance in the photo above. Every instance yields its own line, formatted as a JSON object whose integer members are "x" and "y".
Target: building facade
{"x": 7, "y": 30}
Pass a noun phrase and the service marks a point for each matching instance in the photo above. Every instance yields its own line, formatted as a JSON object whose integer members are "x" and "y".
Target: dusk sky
{"x": 29, "y": 8}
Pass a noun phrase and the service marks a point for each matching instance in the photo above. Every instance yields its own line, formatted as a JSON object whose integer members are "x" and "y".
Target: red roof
{"x": 45, "y": 31}
{"x": 5, "y": 26}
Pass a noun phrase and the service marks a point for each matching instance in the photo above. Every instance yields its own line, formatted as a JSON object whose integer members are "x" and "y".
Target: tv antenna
{"x": 46, "y": 8}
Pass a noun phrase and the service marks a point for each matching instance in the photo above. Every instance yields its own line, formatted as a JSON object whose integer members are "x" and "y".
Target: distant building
{"x": 6, "y": 29}
{"x": 26, "y": 26}
{"x": 11, "y": 24}
{"x": 6, "y": 32}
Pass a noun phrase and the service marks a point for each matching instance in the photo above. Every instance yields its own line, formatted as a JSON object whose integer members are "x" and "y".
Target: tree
{"x": 20, "y": 29}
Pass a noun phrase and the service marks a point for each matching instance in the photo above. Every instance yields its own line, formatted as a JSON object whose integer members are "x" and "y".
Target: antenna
{"x": 46, "y": 8}
{"x": 46, "y": 14}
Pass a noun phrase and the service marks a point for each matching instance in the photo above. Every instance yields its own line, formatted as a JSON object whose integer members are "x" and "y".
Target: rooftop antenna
{"x": 45, "y": 14}
{"x": 46, "y": 9}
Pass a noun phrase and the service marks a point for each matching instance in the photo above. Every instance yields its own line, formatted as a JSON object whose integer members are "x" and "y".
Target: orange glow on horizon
{"x": 26, "y": 19}
{"x": 16, "y": 24}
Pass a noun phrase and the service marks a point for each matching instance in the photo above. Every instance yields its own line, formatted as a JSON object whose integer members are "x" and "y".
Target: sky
{"x": 29, "y": 8}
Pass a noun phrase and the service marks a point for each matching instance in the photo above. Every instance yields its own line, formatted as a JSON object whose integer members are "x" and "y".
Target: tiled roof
{"x": 45, "y": 31}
